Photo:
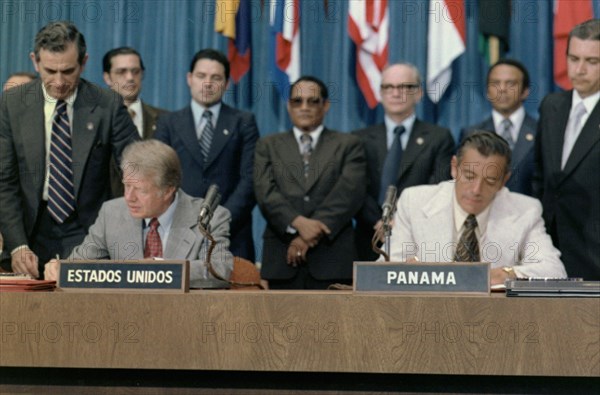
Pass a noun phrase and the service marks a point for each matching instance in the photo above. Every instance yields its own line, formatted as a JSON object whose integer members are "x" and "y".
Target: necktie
{"x": 506, "y": 133}
{"x": 391, "y": 164}
{"x": 306, "y": 141}
{"x": 61, "y": 193}
{"x": 467, "y": 249}
{"x": 207, "y": 134}
{"x": 153, "y": 246}
{"x": 572, "y": 132}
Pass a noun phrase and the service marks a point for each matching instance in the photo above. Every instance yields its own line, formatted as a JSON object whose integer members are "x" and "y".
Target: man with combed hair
{"x": 57, "y": 136}
{"x": 153, "y": 203}
{"x": 567, "y": 176}
{"x": 475, "y": 218}
{"x": 123, "y": 72}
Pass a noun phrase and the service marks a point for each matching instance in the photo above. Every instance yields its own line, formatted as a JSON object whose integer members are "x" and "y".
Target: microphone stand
{"x": 218, "y": 282}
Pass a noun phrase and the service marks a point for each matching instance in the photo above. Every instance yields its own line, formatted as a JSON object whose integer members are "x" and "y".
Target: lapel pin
{"x": 90, "y": 126}
{"x": 226, "y": 132}
{"x": 420, "y": 141}
{"x": 153, "y": 127}
{"x": 529, "y": 137}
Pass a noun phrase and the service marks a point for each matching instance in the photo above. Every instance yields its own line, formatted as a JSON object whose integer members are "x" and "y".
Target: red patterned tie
{"x": 153, "y": 244}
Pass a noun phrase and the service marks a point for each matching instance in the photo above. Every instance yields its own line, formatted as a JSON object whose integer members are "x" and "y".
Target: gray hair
{"x": 56, "y": 36}
{"x": 152, "y": 158}
{"x": 588, "y": 30}
{"x": 410, "y": 66}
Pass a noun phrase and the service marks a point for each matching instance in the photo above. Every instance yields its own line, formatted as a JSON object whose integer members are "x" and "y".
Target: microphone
{"x": 209, "y": 204}
{"x": 389, "y": 204}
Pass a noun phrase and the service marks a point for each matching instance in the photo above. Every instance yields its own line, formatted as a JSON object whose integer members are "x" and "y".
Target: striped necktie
{"x": 153, "y": 248}
{"x": 306, "y": 140}
{"x": 467, "y": 249}
{"x": 61, "y": 193}
{"x": 207, "y": 134}
{"x": 506, "y": 133}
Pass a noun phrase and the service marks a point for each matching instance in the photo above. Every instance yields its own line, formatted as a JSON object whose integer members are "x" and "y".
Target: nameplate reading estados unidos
{"x": 142, "y": 275}
{"x": 389, "y": 277}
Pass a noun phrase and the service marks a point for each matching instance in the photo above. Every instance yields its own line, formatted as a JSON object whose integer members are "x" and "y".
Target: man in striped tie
{"x": 58, "y": 134}
{"x": 474, "y": 218}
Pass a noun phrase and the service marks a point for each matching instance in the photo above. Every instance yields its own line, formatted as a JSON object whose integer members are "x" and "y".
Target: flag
{"x": 368, "y": 27}
{"x": 232, "y": 19}
{"x": 494, "y": 29}
{"x": 445, "y": 42}
{"x": 567, "y": 14}
{"x": 285, "y": 44}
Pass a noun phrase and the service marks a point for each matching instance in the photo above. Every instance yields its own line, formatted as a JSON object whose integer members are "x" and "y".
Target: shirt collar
{"x": 315, "y": 134}
{"x": 198, "y": 110}
{"x": 136, "y": 106}
{"x": 517, "y": 118}
{"x": 408, "y": 124}
{"x": 49, "y": 99}
{"x": 165, "y": 219}
{"x": 589, "y": 102}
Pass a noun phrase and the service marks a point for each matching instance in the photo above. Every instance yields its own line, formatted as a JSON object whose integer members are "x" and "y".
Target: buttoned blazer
{"x": 117, "y": 235}
{"x": 515, "y": 234}
{"x": 229, "y": 165}
{"x": 332, "y": 193}
{"x": 570, "y": 196}
{"x": 522, "y": 154}
{"x": 101, "y": 128}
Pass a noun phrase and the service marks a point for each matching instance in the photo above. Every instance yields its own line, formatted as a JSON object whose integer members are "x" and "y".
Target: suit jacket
{"x": 229, "y": 165}
{"x": 426, "y": 160}
{"x": 100, "y": 128}
{"x": 570, "y": 197}
{"x": 515, "y": 234}
{"x": 332, "y": 193}
{"x": 522, "y": 155}
{"x": 117, "y": 235}
{"x": 149, "y": 117}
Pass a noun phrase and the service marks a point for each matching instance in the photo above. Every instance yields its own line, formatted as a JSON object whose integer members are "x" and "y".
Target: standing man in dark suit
{"x": 403, "y": 151}
{"x": 57, "y": 136}
{"x": 215, "y": 144}
{"x": 123, "y": 72}
{"x": 507, "y": 89}
{"x": 567, "y": 149}
{"x": 309, "y": 182}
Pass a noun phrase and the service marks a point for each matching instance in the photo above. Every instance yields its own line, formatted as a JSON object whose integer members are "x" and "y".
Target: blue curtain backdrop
{"x": 168, "y": 32}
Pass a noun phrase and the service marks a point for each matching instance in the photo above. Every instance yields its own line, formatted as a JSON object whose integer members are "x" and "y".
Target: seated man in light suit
{"x": 434, "y": 223}
{"x": 124, "y": 228}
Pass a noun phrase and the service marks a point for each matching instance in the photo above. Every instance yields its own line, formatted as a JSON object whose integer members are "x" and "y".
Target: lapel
{"x": 502, "y": 217}
{"x": 319, "y": 158}
{"x": 414, "y": 147}
{"x": 223, "y": 132}
{"x": 288, "y": 151}
{"x": 561, "y": 107}
{"x": 149, "y": 120}
{"x": 525, "y": 140}
{"x": 590, "y": 135}
{"x": 130, "y": 234}
{"x": 84, "y": 129}
{"x": 34, "y": 128}
{"x": 181, "y": 236}
{"x": 438, "y": 221}
{"x": 184, "y": 125}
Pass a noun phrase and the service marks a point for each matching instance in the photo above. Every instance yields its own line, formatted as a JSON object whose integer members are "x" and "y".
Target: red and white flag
{"x": 369, "y": 29}
{"x": 567, "y": 14}
{"x": 446, "y": 40}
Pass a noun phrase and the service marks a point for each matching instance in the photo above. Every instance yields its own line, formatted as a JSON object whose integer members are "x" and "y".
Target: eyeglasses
{"x": 389, "y": 88}
{"x": 310, "y": 102}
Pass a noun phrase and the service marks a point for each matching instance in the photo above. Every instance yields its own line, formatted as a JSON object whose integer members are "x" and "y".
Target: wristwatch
{"x": 510, "y": 271}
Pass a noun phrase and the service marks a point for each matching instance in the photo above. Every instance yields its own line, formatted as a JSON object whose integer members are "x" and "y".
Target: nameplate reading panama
{"x": 421, "y": 277}
{"x": 152, "y": 275}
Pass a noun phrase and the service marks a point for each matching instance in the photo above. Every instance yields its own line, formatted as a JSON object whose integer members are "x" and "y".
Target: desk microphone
{"x": 209, "y": 204}
{"x": 389, "y": 204}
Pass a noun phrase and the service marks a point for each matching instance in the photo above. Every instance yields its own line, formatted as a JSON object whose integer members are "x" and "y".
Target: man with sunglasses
{"x": 309, "y": 183}
{"x": 403, "y": 151}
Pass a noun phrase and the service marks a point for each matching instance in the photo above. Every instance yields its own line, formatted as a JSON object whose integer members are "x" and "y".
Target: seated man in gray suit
{"x": 154, "y": 216}
{"x": 507, "y": 89}
{"x": 474, "y": 218}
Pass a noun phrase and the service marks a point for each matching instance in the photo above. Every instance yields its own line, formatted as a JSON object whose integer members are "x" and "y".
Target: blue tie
{"x": 392, "y": 163}
{"x": 207, "y": 134}
{"x": 61, "y": 193}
